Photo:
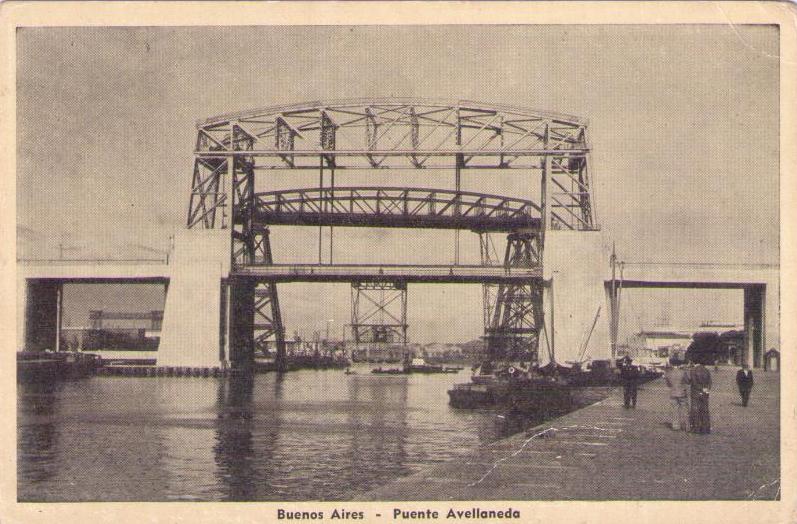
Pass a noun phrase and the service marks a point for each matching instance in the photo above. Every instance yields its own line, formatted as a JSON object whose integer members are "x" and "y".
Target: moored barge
{"x": 39, "y": 366}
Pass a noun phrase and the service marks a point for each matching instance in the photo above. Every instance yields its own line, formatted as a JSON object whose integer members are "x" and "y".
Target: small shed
{"x": 772, "y": 360}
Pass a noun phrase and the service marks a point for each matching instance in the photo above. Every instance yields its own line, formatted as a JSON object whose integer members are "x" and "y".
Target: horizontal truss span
{"x": 393, "y": 133}
{"x": 396, "y": 134}
{"x": 391, "y": 152}
{"x": 396, "y": 207}
{"x": 388, "y": 273}
{"x": 348, "y": 104}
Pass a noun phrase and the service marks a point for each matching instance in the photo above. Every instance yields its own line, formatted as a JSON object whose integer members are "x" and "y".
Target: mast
{"x": 613, "y": 302}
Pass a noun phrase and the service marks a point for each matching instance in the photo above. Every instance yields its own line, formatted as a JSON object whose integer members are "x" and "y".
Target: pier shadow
{"x": 247, "y": 435}
{"x": 38, "y": 436}
{"x": 234, "y": 448}
{"x": 378, "y": 432}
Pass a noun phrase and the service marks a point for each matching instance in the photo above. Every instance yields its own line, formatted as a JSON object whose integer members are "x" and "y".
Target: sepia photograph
{"x": 375, "y": 262}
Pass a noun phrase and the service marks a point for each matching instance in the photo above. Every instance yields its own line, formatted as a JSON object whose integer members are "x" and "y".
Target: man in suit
{"x": 700, "y": 385}
{"x": 629, "y": 375}
{"x": 678, "y": 381}
{"x": 744, "y": 379}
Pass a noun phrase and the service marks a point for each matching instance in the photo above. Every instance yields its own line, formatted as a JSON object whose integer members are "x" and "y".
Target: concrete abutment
{"x": 193, "y": 332}
{"x": 577, "y": 314}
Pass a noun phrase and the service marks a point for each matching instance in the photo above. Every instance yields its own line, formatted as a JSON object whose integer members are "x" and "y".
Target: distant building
{"x": 661, "y": 342}
{"x": 115, "y": 330}
{"x": 658, "y": 342}
{"x": 379, "y": 351}
{"x": 443, "y": 352}
{"x": 718, "y": 326}
{"x": 473, "y": 350}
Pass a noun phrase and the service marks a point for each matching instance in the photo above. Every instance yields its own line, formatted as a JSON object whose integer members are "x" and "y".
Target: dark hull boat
{"x": 525, "y": 395}
{"x": 424, "y": 370}
{"x": 416, "y": 365}
{"x": 556, "y": 389}
{"x": 429, "y": 368}
{"x": 391, "y": 371}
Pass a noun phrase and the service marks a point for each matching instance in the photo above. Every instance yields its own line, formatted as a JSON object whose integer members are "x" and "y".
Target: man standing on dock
{"x": 678, "y": 382}
{"x": 629, "y": 375}
{"x": 744, "y": 380}
{"x": 700, "y": 384}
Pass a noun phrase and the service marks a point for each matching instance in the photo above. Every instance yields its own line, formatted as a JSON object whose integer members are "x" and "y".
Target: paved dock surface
{"x": 605, "y": 451}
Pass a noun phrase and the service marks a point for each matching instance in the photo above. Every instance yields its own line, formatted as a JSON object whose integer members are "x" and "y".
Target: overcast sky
{"x": 683, "y": 121}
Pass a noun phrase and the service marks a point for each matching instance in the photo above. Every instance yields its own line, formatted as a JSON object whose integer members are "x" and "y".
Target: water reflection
{"x": 37, "y": 445}
{"x": 306, "y": 435}
{"x": 234, "y": 447}
{"x": 378, "y": 435}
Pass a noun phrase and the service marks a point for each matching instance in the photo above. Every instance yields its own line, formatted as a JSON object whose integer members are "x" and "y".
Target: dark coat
{"x": 744, "y": 379}
{"x": 629, "y": 374}
{"x": 699, "y": 378}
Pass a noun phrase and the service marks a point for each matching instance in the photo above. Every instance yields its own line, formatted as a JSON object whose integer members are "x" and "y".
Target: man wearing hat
{"x": 744, "y": 380}
{"x": 678, "y": 381}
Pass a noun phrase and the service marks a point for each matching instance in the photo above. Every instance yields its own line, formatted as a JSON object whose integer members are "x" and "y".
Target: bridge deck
{"x": 633, "y": 275}
{"x": 405, "y": 273}
{"x": 98, "y": 271}
{"x": 719, "y": 276}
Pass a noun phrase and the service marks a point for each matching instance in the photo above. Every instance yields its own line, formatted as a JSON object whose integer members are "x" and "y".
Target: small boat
{"x": 390, "y": 371}
{"x": 419, "y": 365}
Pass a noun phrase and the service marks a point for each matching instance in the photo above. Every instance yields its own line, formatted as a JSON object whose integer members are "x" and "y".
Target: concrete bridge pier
{"x": 760, "y": 284}
{"x": 211, "y": 316}
{"x": 754, "y": 321}
{"x": 42, "y": 309}
{"x": 576, "y": 323}
{"x": 241, "y": 322}
{"x": 195, "y": 319}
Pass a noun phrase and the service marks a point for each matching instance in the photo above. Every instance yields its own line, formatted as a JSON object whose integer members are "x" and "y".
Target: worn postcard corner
{"x": 398, "y": 262}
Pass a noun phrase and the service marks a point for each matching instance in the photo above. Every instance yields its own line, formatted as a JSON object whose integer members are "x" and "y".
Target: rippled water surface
{"x": 305, "y": 435}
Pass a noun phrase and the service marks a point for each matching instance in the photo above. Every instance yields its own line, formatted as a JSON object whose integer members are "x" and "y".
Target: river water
{"x": 304, "y": 435}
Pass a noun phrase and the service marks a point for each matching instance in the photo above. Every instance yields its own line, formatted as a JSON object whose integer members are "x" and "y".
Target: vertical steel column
{"x": 545, "y": 190}
{"x": 331, "y": 203}
{"x": 224, "y": 324}
{"x": 228, "y": 213}
{"x": 268, "y": 316}
{"x": 614, "y": 320}
{"x": 206, "y": 197}
{"x": 488, "y": 258}
{"x": 404, "y": 316}
{"x": 320, "y": 204}
{"x": 459, "y": 162}
{"x": 59, "y": 314}
{"x": 327, "y": 137}
{"x": 517, "y": 317}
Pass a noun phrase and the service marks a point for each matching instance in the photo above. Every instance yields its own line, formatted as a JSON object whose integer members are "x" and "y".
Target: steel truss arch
{"x": 396, "y": 207}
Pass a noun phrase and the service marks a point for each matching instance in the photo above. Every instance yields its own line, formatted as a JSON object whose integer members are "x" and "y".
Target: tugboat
{"x": 419, "y": 365}
{"x": 416, "y": 365}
